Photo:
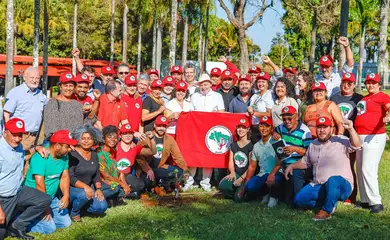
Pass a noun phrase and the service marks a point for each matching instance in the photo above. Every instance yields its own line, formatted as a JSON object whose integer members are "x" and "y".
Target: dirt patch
{"x": 170, "y": 201}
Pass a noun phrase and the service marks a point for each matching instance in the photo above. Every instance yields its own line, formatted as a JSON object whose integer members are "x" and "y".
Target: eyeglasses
{"x": 287, "y": 119}
{"x": 123, "y": 73}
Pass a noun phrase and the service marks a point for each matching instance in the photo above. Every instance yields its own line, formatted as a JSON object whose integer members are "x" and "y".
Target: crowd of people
{"x": 112, "y": 137}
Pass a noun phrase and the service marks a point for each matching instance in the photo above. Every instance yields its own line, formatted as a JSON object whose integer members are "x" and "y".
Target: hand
{"x": 222, "y": 59}
{"x": 289, "y": 170}
{"x": 126, "y": 189}
{"x": 238, "y": 182}
{"x": 87, "y": 108}
{"x": 149, "y": 134}
{"x": 140, "y": 136}
{"x": 47, "y": 215}
{"x": 270, "y": 179}
{"x": 230, "y": 177}
{"x": 344, "y": 41}
{"x": 176, "y": 115}
{"x": 162, "y": 108}
{"x": 76, "y": 53}
{"x": 2, "y": 216}
{"x": 64, "y": 202}
{"x": 266, "y": 59}
{"x": 186, "y": 175}
{"x": 251, "y": 111}
{"x": 89, "y": 192}
{"x": 386, "y": 119}
{"x": 150, "y": 175}
{"x": 44, "y": 152}
{"x": 347, "y": 124}
{"x": 241, "y": 192}
{"x": 96, "y": 94}
{"x": 276, "y": 136}
{"x": 289, "y": 149}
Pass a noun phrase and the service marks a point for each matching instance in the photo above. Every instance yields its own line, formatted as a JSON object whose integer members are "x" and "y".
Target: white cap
{"x": 204, "y": 77}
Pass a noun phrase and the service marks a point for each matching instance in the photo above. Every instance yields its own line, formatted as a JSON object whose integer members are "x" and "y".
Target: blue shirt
{"x": 143, "y": 96}
{"x": 11, "y": 168}
{"x": 98, "y": 84}
{"x": 265, "y": 156}
{"x": 237, "y": 105}
{"x": 22, "y": 103}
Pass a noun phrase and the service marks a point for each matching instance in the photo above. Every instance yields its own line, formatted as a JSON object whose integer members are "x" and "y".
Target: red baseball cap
{"x": 131, "y": 80}
{"x": 288, "y": 110}
{"x": 318, "y": 86}
{"x": 266, "y": 120}
{"x": 176, "y": 69}
{"x": 290, "y": 70}
{"x": 243, "y": 122}
{"x": 326, "y": 61}
{"x": 216, "y": 72}
{"x": 108, "y": 70}
{"x": 156, "y": 83}
{"x": 63, "y": 136}
{"x": 254, "y": 69}
{"x": 263, "y": 76}
{"x": 161, "y": 121}
{"x": 323, "y": 121}
{"x": 82, "y": 78}
{"x": 348, "y": 77}
{"x": 226, "y": 74}
{"x": 126, "y": 128}
{"x": 67, "y": 77}
{"x": 15, "y": 125}
{"x": 181, "y": 85}
{"x": 153, "y": 71}
{"x": 244, "y": 77}
{"x": 168, "y": 81}
{"x": 373, "y": 77}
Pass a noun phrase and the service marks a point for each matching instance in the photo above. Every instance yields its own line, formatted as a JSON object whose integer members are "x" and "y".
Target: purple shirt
{"x": 330, "y": 159}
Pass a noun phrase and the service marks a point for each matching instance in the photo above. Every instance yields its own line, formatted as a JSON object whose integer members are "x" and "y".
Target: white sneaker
{"x": 206, "y": 189}
{"x": 187, "y": 187}
{"x": 272, "y": 202}
{"x": 265, "y": 199}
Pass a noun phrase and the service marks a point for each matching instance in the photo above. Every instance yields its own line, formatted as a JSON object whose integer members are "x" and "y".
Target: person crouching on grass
{"x": 332, "y": 175}
{"x": 240, "y": 153}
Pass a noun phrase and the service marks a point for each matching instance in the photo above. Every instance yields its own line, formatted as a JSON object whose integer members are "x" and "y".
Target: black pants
{"x": 136, "y": 183}
{"x": 255, "y": 134}
{"x": 34, "y": 203}
{"x": 293, "y": 185}
{"x": 165, "y": 175}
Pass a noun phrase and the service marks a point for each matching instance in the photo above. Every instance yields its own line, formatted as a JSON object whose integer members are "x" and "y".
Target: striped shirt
{"x": 299, "y": 137}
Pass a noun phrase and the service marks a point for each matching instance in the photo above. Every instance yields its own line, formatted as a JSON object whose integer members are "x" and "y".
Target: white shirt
{"x": 175, "y": 107}
{"x": 261, "y": 104}
{"x": 210, "y": 102}
{"x": 278, "y": 106}
{"x": 334, "y": 81}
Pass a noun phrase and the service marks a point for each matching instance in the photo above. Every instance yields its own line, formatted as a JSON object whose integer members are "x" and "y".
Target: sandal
{"x": 76, "y": 218}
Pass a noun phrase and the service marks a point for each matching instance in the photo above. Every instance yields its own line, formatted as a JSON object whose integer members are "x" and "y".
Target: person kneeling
{"x": 269, "y": 179}
{"x": 240, "y": 153}
{"x": 50, "y": 175}
{"x": 332, "y": 175}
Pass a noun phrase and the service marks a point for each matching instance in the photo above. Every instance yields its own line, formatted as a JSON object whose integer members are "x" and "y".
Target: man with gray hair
{"x": 27, "y": 102}
{"x": 143, "y": 85}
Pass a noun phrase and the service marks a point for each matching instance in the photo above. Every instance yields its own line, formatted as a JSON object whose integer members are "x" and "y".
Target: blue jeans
{"x": 326, "y": 195}
{"x": 59, "y": 219}
{"x": 78, "y": 199}
{"x": 256, "y": 184}
{"x": 110, "y": 193}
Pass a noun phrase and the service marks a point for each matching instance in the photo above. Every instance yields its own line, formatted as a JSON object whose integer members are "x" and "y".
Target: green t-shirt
{"x": 51, "y": 169}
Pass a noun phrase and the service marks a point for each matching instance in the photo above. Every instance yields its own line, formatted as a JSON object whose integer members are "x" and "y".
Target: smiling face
{"x": 142, "y": 86}
{"x": 32, "y": 78}
{"x": 86, "y": 141}
{"x": 281, "y": 90}
{"x": 205, "y": 87}
{"x": 319, "y": 95}
{"x": 180, "y": 94}
{"x": 81, "y": 90}
{"x": 326, "y": 71}
{"x": 242, "y": 131}
{"x": 262, "y": 85}
{"x": 156, "y": 92}
{"x": 189, "y": 75}
{"x": 244, "y": 87}
{"x": 302, "y": 84}
{"x": 131, "y": 90}
{"x": 372, "y": 87}
{"x": 13, "y": 139}
{"x": 347, "y": 88}
{"x": 123, "y": 71}
{"x": 67, "y": 89}
{"x": 253, "y": 77}
{"x": 110, "y": 140}
{"x": 215, "y": 80}
{"x": 227, "y": 84}
{"x": 290, "y": 121}
{"x": 127, "y": 137}
{"x": 153, "y": 77}
{"x": 168, "y": 89}
{"x": 265, "y": 130}
{"x": 160, "y": 129}
{"x": 177, "y": 76}
{"x": 324, "y": 133}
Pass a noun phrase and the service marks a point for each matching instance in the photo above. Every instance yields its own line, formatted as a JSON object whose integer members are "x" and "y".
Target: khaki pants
{"x": 28, "y": 141}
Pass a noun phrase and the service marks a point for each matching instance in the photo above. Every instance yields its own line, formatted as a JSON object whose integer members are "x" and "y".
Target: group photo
{"x": 194, "y": 119}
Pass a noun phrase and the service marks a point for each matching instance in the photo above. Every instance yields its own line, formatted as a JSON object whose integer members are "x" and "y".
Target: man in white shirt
{"x": 331, "y": 79}
{"x": 205, "y": 101}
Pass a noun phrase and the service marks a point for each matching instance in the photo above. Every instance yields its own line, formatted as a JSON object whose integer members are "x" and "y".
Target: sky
{"x": 261, "y": 33}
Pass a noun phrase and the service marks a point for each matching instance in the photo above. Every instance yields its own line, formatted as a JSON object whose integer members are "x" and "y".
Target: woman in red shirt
{"x": 370, "y": 125}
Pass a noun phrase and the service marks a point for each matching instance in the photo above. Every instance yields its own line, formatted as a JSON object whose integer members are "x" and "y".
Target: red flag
{"x": 204, "y": 138}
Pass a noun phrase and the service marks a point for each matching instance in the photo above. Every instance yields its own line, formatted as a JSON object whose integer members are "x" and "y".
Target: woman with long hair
{"x": 305, "y": 97}
{"x": 284, "y": 92}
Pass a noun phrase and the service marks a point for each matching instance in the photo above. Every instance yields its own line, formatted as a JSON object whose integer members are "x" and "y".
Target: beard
{"x": 325, "y": 139}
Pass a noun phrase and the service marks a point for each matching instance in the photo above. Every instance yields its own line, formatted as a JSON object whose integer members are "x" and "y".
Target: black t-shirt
{"x": 152, "y": 106}
{"x": 157, "y": 156}
{"x": 241, "y": 157}
{"x": 228, "y": 97}
{"x": 86, "y": 171}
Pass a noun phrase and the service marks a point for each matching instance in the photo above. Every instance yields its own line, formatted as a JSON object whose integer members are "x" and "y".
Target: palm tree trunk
{"x": 331, "y": 52}
{"x": 159, "y": 46}
{"x": 313, "y": 41}
{"x": 45, "y": 46}
{"x": 344, "y": 11}
{"x": 185, "y": 41}
{"x": 9, "y": 72}
{"x": 206, "y": 37}
{"x": 154, "y": 42}
{"x": 383, "y": 68}
{"x": 200, "y": 45}
{"x": 124, "y": 38}
{"x": 361, "y": 57}
{"x": 112, "y": 32}
{"x": 74, "y": 70}
{"x": 172, "y": 47}
{"x": 139, "y": 45}
{"x": 37, "y": 12}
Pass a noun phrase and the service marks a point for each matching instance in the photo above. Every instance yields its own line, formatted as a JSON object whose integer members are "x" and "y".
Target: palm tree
{"x": 124, "y": 38}
{"x": 74, "y": 35}
{"x": 383, "y": 68}
{"x": 172, "y": 46}
{"x": 185, "y": 40}
{"x": 139, "y": 45}
{"x": 37, "y": 13}
{"x": 112, "y": 32}
{"x": 9, "y": 73}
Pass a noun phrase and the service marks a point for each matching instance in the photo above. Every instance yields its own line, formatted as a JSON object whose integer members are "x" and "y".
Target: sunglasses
{"x": 123, "y": 73}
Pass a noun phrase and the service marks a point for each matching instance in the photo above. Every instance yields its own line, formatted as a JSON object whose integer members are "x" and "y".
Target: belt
{"x": 34, "y": 134}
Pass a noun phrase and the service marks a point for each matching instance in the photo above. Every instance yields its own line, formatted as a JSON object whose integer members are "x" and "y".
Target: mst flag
{"x": 204, "y": 138}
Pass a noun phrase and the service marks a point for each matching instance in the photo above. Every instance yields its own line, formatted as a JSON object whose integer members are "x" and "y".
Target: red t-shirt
{"x": 111, "y": 112}
{"x": 125, "y": 160}
{"x": 87, "y": 100}
{"x": 370, "y": 113}
{"x": 134, "y": 110}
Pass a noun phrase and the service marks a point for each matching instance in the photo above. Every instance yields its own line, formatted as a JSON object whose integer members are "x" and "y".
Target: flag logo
{"x": 279, "y": 150}
{"x": 361, "y": 107}
{"x": 123, "y": 163}
{"x": 218, "y": 139}
{"x": 240, "y": 159}
{"x": 19, "y": 124}
{"x": 159, "y": 148}
{"x": 137, "y": 105}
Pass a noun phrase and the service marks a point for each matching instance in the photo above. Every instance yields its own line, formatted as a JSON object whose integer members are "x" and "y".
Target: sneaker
{"x": 206, "y": 189}
{"x": 377, "y": 208}
{"x": 272, "y": 202}
{"x": 322, "y": 215}
{"x": 363, "y": 205}
{"x": 187, "y": 187}
{"x": 265, "y": 199}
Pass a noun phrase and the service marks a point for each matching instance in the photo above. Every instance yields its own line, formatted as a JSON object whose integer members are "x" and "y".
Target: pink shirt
{"x": 330, "y": 159}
